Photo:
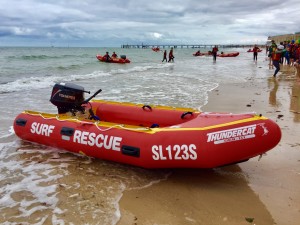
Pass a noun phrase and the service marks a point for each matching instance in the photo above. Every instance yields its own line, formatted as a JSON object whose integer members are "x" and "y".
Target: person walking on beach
{"x": 255, "y": 51}
{"x": 214, "y": 52}
{"x": 292, "y": 48}
{"x": 165, "y": 56}
{"x": 276, "y": 56}
{"x": 171, "y": 56}
{"x": 271, "y": 49}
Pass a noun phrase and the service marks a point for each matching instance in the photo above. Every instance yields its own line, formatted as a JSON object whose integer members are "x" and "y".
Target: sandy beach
{"x": 260, "y": 191}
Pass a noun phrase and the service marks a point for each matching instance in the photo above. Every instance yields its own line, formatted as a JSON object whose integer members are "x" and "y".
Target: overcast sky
{"x": 98, "y": 23}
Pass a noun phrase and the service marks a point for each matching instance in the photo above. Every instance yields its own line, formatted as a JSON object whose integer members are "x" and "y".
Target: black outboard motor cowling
{"x": 67, "y": 97}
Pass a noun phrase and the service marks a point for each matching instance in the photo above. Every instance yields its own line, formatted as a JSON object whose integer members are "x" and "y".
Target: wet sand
{"x": 259, "y": 191}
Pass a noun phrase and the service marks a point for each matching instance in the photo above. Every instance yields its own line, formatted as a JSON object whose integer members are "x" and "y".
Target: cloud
{"x": 170, "y": 22}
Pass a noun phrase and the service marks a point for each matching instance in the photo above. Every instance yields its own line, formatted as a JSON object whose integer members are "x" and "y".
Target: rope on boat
{"x": 122, "y": 126}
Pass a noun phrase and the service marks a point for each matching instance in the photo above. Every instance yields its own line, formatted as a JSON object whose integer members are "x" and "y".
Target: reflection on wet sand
{"x": 295, "y": 100}
{"x": 195, "y": 197}
{"x": 272, "y": 97}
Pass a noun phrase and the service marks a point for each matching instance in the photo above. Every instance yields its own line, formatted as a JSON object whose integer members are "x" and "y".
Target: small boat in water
{"x": 251, "y": 50}
{"x": 146, "y": 135}
{"x": 121, "y": 60}
{"x": 231, "y": 54}
{"x": 198, "y": 53}
{"x": 157, "y": 49}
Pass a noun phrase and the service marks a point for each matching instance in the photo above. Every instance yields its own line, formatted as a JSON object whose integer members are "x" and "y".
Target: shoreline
{"x": 266, "y": 191}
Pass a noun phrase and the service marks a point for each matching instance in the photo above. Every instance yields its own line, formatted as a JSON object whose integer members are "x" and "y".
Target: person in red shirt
{"x": 276, "y": 56}
{"x": 214, "y": 52}
{"x": 171, "y": 56}
{"x": 114, "y": 55}
{"x": 255, "y": 51}
{"x": 106, "y": 57}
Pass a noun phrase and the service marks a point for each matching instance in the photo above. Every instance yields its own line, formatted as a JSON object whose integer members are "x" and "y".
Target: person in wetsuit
{"x": 214, "y": 52}
{"x": 114, "y": 55}
{"x": 107, "y": 57}
{"x": 171, "y": 56}
{"x": 255, "y": 51}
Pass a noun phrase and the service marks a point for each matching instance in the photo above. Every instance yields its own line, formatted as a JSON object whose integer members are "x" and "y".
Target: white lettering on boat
{"x": 66, "y": 96}
{"x": 99, "y": 140}
{"x": 174, "y": 152}
{"x": 42, "y": 129}
{"x": 235, "y": 134}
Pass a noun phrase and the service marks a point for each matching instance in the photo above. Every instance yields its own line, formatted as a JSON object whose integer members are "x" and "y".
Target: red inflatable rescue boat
{"x": 121, "y": 60}
{"x": 231, "y": 54}
{"x": 251, "y": 50}
{"x": 202, "y": 54}
{"x": 157, "y": 49}
{"x": 147, "y": 136}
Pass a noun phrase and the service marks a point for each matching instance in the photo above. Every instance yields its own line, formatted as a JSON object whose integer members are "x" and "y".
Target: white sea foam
{"x": 35, "y": 178}
{"x": 27, "y": 179}
{"x": 30, "y": 83}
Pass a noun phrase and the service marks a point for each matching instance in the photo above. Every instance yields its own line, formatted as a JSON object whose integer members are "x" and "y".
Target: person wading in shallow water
{"x": 165, "y": 56}
{"x": 255, "y": 51}
{"x": 171, "y": 56}
{"x": 214, "y": 52}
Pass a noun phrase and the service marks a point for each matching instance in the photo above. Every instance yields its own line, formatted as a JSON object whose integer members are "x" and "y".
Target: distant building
{"x": 284, "y": 37}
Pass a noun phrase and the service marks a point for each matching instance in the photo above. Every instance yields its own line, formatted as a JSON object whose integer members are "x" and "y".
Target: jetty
{"x": 188, "y": 46}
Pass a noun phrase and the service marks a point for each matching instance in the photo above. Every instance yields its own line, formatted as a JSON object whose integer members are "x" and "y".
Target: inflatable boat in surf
{"x": 251, "y": 50}
{"x": 121, "y": 60}
{"x": 231, "y": 54}
{"x": 202, "y": 53}
{"x": 146, "y": 136}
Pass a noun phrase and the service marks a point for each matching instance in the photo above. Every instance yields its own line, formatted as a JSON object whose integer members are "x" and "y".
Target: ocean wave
{"x": 144, "y": 68}
{"x": 30, "y": 83}
{"x": 46, "y": 57}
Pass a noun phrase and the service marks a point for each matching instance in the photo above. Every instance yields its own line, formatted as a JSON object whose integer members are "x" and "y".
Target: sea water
{"x": 42, "y": 185}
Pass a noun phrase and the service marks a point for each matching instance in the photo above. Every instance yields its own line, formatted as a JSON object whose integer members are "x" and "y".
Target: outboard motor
{"x": 123, "y": 56}
{"x": 67, "y": 97}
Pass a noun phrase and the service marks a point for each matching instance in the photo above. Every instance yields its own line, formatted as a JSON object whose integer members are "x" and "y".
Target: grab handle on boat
{"x": 21, "y": 122}
{"x": 147, "y": 106}
{"x": 186, "y": 113}
{"x": 67, "y": 131}
{"x": 130, "y": 151}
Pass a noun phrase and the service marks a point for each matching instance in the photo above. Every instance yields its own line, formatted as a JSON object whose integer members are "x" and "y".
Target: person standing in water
{"x": 171, "y": 56}
{"x": 214, "y": 52}
{"x": 165, "y": 56}
{"x": 255, "y": 51}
